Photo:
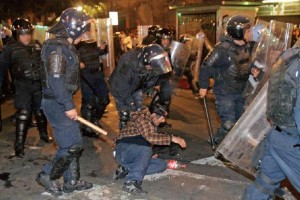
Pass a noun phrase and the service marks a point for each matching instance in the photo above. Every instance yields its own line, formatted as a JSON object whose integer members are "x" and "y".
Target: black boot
{"x": 51, "y": 186}
{"x": 88, "y": 112}
{"x": 74, "y": 183}
{"x": 42, "y": 126}
{"x": 101, "y": 105}
{"x": 22, "y": 124}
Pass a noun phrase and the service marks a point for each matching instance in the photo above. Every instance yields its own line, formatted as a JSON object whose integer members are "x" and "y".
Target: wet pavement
{"x": 204, "y": 177}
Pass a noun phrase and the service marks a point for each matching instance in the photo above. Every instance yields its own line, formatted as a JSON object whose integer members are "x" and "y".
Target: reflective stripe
{"x": 157, "y": 57}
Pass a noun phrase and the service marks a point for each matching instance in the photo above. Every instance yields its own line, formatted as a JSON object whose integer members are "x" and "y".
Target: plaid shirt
{"x": 140, "y": 123}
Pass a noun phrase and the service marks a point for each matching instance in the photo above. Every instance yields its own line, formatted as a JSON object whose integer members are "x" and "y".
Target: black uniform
{"x": 228, "y": 64}
{"x": 128, "y": 81}
{"x": 25, "y": 64}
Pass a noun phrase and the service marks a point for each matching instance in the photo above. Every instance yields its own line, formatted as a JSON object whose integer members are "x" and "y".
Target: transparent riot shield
{"x": 104, "y": 34}
{"x": 242, "y": 145}
{"x": 179, "y": 57}
{"x": 142, "y": 32}
{"x": 197, "y": 47}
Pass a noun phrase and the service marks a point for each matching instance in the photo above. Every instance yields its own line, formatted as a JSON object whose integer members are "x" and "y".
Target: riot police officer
{"x": 134, "y": 74}
{"x": 60, "y": 82}
{"x": 228, "y": 64}
{"x": 281, "y": 146}
{"x": 23, "y": 58}
{"x": 164, "y": 38}
{"x": 94, "y": 90}
{"x": 151, "y": 37}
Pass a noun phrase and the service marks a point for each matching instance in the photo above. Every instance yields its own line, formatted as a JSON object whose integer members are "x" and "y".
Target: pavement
{"x": 204, "y": 177}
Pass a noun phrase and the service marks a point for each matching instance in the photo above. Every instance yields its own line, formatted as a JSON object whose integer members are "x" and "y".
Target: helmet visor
{"x": 160, "y": 64}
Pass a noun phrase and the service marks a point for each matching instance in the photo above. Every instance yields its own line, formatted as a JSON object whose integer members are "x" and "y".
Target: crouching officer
{"x": 60, "y": 82}
{"x": 23, "y": 57}
{"x": 135, "y": 73}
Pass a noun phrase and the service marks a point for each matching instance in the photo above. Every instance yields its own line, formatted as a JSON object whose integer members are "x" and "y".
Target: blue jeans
{"x": 138, "y": 160}
{"x": 66, "y": 132}
{"x": 280, "y": 160}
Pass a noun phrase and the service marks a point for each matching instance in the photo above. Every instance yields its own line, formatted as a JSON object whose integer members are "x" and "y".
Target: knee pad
{"x": 75, "y": 150}
{"x": 63, "y": 163}
{"x": 23, "y": 115}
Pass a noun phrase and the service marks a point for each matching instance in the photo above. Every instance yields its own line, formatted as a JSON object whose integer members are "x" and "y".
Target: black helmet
{"x": 152, "y": 30}
{"x": 164, "y": 33}
{"x": 237, "y": 25}
{"x": 21, "y": 26}
{"x": 156, "y": 56}
{"x": 73, "y": 21}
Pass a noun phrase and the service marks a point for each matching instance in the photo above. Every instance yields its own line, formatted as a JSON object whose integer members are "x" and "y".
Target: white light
{"x": 114, "y": 18}
{"x": 79, "y": 8}
{"x": 279, "y": 1}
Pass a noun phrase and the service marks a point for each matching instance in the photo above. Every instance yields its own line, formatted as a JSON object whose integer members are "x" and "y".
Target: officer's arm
{"x": 211, "y": 61}
{"x": 121, "y": 88}
{"x": 127, "y": 90}
{"x": 56, "y": 69}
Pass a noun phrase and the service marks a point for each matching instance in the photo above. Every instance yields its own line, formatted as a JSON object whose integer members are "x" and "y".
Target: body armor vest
{"x": 26, "y": 62}
{"x": 89, "y": 55}
{"x": 236, "y": 75}
{"x": 282, "y": 94}
{"x": 71, "y": 70}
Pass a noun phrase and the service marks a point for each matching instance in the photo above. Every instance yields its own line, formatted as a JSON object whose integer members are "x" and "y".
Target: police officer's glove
{"x": 124, "y": 118}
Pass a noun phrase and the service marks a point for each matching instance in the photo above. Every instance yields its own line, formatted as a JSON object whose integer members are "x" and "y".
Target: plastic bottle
{"x": 174, "y": 164}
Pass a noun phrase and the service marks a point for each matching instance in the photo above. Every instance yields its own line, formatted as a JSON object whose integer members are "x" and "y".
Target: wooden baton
{"x": 91, "y": 125}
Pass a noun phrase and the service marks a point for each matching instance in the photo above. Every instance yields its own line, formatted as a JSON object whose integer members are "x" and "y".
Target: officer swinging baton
{"x": 212, "y": 143}
{"x": 91, "y": 125}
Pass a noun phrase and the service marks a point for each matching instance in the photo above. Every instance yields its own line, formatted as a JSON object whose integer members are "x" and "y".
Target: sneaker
{"x": 133, "y": 187}
{"x": 79, "y": 185}
{"x": 120, "y": 173}
{"x": 53, "y": 187}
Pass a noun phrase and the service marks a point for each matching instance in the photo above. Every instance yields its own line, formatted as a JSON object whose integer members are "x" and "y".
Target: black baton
{"x": 212, "y": 143}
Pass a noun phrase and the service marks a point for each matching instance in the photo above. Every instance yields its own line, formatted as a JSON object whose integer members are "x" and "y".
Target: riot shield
{"x": 179, "y": 57}
{"x": 241, "y": 146}
{"x": 197, "y": 46}
{"x": 91, "y": 34}
{"x": 104, "y": 34}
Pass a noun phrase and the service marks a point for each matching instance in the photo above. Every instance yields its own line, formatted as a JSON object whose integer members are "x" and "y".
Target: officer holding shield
{"x": 281, "y": 158}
